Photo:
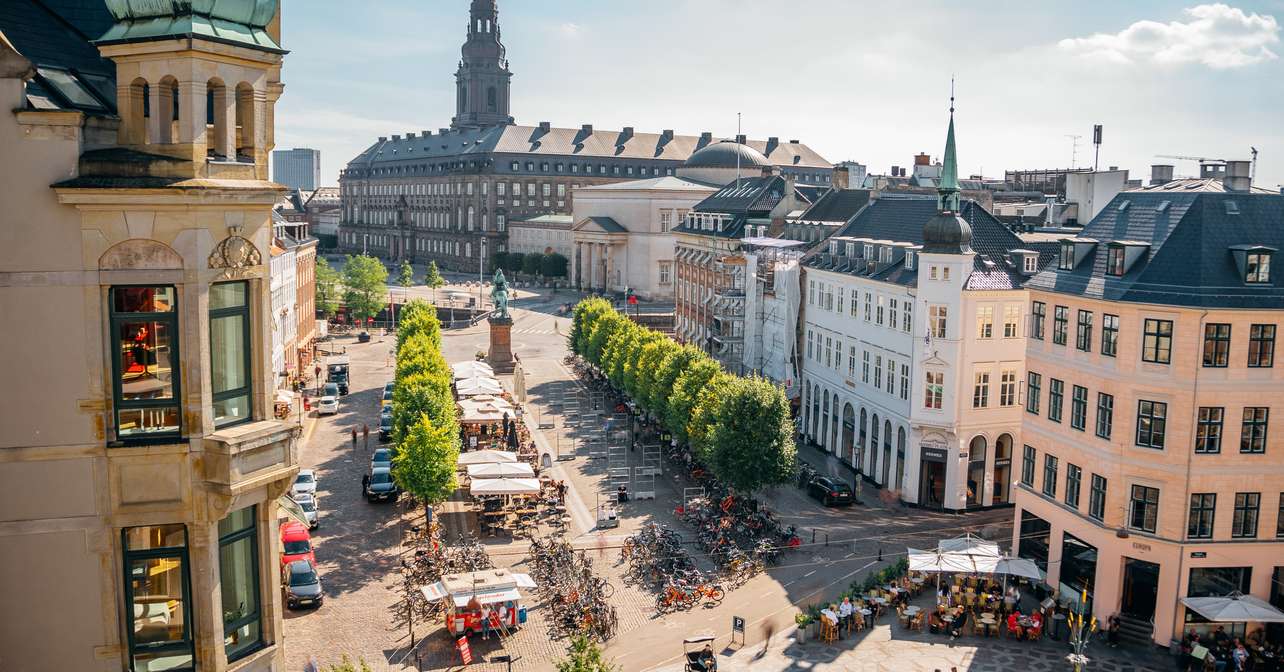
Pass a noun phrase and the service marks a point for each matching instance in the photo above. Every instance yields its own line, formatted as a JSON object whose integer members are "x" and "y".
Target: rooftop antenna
{"x": 737, "y": 151}
{"x": 1074, "y": 148}
{"x": 1096, "y": 141}
{"x": 1252, "y": 176}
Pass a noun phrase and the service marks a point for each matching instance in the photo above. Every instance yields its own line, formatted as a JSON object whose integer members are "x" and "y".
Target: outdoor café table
{"x": 987, "y": 622}
{"x": 881, "y": 600}
{"x": 918, "y": 580}
{"x": 912, "y": 610}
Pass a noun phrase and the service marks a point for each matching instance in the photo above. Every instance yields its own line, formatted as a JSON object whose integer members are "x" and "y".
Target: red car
{"x": 296, "y": 543}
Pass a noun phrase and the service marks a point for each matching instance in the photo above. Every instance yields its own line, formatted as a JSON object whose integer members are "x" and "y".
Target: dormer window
{"x": 909, "y": 260}
{"x": 1030, "y": 263}
{"x": 1066, "y": 260}
{"x": 1258, "y": 267}
{"x": 1115, "y": 260}
{"x": 869, "y": 251}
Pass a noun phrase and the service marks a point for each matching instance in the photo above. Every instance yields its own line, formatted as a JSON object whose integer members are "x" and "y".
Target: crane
{"x": 1201, "y": 159}
{"x": 1074, "y": 148}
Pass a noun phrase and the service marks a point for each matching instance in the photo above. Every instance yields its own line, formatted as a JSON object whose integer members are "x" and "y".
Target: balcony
{"x": 249, "y": 456}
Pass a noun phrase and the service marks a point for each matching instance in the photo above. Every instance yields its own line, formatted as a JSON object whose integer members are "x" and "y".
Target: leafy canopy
{"x": 365, "y": 282}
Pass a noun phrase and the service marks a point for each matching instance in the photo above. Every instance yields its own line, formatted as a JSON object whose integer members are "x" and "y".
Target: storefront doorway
{"x": 1140, "y": 586}
{"x": 1002, "y": 468}
{"x": 931, "y": 484}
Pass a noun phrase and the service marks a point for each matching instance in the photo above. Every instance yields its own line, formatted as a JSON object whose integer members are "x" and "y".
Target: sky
{"x": 855, "y": 80}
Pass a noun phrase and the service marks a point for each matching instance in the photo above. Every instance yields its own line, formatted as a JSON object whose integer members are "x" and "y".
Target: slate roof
{"x": 55, "y": 36}
{"x": 568, "y": 143}
{"x": 752, "y": 196}
{"x": 836, "y": 205}
{"x": 1189, "y": 262}
{"x": 606, "y": 224}
{"x": 1212, "y": 184}
{"x": 900, "y": 218}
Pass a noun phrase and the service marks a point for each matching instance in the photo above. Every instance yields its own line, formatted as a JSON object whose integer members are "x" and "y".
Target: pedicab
{"x": 699, "y": 654}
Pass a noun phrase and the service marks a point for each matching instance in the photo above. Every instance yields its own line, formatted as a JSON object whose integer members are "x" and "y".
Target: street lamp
{"x": 481, "y": 270}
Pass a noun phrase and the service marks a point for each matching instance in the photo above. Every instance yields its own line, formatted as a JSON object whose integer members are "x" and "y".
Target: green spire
{"x": 948, "y": 188}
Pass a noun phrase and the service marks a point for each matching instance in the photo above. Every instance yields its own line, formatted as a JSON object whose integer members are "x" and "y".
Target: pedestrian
{"x": 365, "y": 483}
{"x": 354, "y": 439}
{"x": 365, "y": 435}
{"x": 311, "y": 665}
{"x": 768, "y": 629}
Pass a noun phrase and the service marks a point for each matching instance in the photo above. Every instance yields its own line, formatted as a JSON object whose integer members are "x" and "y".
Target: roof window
{"x": 1258, "y": 266}
{"x": 1232, "y": 208}
{"x": 1163, "y": 206}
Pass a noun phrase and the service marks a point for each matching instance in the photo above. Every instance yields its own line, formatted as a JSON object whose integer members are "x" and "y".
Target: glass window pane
{"x": 232, "y": 409}
{"x": 240, "y": 599}
{"x": 236, "y": 521}
{"x": 150, "y": 537}
{"x": 157, "y": 585}
{"x": 143, "y": 299}
{"x": 227, "y": 295}
{"x": 145, "y": 360}
{"x": 227, "y": 353}
{"x": 134, "y": 422}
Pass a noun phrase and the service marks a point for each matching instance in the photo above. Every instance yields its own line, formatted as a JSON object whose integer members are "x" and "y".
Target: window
{"x": 1038, "y": 314}
{"x": 666, "y": 272}
{"x": 1050, "y": 475}
{"x": 945, "y": 273}
{"x": 1115, "y": 260}
{"x": 1097, "y": 498}
{"x": 1261, "y": 346}
{"x": 1074, "y": 478}
{"x": 907, "y": 320}
{"x": 1252, "y": 434}
{"x": 892, "y": 318}
{"x": 1244, "y": 520}
{"x": 1056, "y": 394}
{"x": 1083, "y": 331}
{"x": 905, "y": 386}
{"x": 1258, "y": 267}
{"x": 1030, "y": 263}
{"x": 878, "y": 372}
{"x": 864, "y": 367}
{"x": 1033, "y": 384}
{"x": 1065, "y": 261}
{"x": 1151, "y": 421}
{"x": 1060, "y": 324}
{"x": 811, "y": 293}
{"x": 932, "y": 273}
{"x": 1105, "y": 414}
{"x": 230, "y": 352}
{"x": 981, "y": 390}
{"x": 144, "y": 335}
{"x": 985, "y": 322}
{"x": 937, "y": 319}
{"x": 1027, "y": 467}
{"x": 1007, "y": 387}
{"x": 1144, "y": 511}
{"x": 1079, "y": 407}
{"x": 1011, "y": 318}
{"x": 879, "y": 312}
{"x": 1217, "y": 345}
{"x": 851, "y": 361}
{"x": 238, "y": 562}
{"x": 158, "y": 592}
{"x": 810, "y": 334}
{"x": 854, "y": 302}
{"x": 1158, "y": 341}
{"x": 838, "y": 355}
{"x": 1203, "y": 506}
{"x": 891, "y": 376}
{"x": 1208, "y": 430}
{"x": 1279, "y": 519}
{"x": 838, "y": 305}
{"x": 869, "y": 306}
{"x": 829, "y": 354}
{"x": 1109, "y": 334}
{"x": 934, "y": 390}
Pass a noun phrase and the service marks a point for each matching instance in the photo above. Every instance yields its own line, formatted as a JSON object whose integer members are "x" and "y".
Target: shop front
{"x": 932, "y": 472}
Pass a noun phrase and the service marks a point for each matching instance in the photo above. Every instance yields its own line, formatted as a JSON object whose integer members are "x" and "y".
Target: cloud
{"x": 1217, "y": 36}
{"x": 569, "y": 29}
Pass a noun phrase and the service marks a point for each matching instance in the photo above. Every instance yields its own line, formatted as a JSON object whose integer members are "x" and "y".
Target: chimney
{"x": 740, "y": 139}
{"x": 793, "y": 142}
{"x": 426, "y": 134}
{"x": 545, "y": 126}
{"x": 443, "y": 131}
{"x": 1237, "y": 177}
{"x": 896, "y": 171}
{"x": 705, "y": 138}
{"x": 666, "y": 135}
{"x": 410, "y": 135}
{"x": 922, "y": 159}
{"x": 840, "y": 178}
{"x": 586, "y": 129}
{"x": 1161, "y": 174}
{"x": 772, "y": 143}
{"x": 383, "y": 138}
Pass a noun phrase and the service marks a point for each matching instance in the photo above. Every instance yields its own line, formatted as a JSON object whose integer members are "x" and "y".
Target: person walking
{"x": 354, "y": 439}
{"x": 365, "y": 435}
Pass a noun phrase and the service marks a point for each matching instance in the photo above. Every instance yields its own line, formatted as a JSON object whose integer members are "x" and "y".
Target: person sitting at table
{"x": 934, "y": 623}
{"x": 1220, "y": 638}
{"x": 845, "y": 613}
{"x": 1014, "y": 625}
{"x": 1112, "y": 630}
{"x": 1239, "y": 656}
{"x": 1036, "y": 625}
{"x": 960, "y": 620}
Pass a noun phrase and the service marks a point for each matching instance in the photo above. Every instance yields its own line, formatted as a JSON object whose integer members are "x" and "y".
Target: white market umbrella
{"x": 472, "y": 369}
{"x": 970, "y": 544}
{"x": 486, "y": 457}
{"x": 1019, "y": 567}
{"x": 512, "y": 470}
{"x": 484, "y": 408}
{"x": 471, "y": 387}
{"x": 1234, "y": 608}
{"x": 504, "y": 486}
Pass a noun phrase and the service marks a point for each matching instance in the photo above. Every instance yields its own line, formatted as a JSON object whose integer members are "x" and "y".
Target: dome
{"x": 947, "y": 233}
{"x": 251, "y": 13}
{"x": 723, "y": 155}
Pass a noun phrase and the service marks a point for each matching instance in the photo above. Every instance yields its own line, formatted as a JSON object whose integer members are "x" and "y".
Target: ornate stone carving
{"x": 236, "y": 255}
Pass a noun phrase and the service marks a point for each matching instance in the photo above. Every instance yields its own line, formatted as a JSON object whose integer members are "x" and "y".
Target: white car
{"x": 328, "y": 405}
{"x": 304, "y": 483}
{"x": 308, "y": 502}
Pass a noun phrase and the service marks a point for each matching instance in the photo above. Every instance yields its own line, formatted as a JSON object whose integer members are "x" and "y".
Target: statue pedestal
{"x": 500, "y": 355}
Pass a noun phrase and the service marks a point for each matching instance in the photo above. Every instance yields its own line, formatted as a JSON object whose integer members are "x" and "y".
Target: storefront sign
{"x": 935, "y": 454}
{"x": 1140, "y": 546}
{"x": 1198, "y": 554}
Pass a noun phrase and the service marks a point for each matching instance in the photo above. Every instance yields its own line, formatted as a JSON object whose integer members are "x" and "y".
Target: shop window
{"x": 230, "y": 365}
{"x": 238, "y": 561}
{"x": 158, "y": 598}
{"x": 144, "y": 342}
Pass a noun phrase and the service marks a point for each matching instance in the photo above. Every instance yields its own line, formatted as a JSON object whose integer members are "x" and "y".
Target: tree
{"x": 686, "y": 393}
{"x": 365, "y": 282}
{"x": 647, "y": 370}
{"x": 586, "y": 314}
{"x": 531, "y": 263}
{"x": 499, "y": 260}
{"x": 406, "y": 275}
{"x": 553, "y": 265}
{"x": 513, "y": 262}
{"x": 672, "y": 367}
{"x": 346, "y": 665}
{"x": 603, "y": 328}
{"x": 424, "y": 465}
{"x": 706, "y": 414}
{"x": 751, "y": 442}
{"x": 327, "y": 288}
{"x": 584, "y": 655}
{"x": 434, "y": 280}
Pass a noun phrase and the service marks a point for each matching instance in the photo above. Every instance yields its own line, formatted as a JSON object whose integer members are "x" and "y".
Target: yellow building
{"x": 140, "y": 464}
{"x": 1150, "y": 471}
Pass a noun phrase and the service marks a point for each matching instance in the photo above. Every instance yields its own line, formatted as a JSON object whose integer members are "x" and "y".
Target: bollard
{"x": 813, "y": 536}
{"x": 826, "y": 538}
{"x": 880, "y": 553}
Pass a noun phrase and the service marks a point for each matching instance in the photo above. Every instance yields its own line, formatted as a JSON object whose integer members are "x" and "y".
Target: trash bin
{"x": 521, "y": 615}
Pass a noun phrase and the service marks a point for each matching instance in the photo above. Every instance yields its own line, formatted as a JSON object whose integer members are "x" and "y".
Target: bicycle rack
{"x": 653, "y": 457}
{"x": 644, "y": 482}
{"x": 619, "y": 476}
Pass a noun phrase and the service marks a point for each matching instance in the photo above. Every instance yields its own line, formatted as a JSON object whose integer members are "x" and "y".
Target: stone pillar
{"x": 608, "y": 270}
{"x": 586, "y": 267}
{"x": 575, "y": 265}
{"x": 500, "y": 354}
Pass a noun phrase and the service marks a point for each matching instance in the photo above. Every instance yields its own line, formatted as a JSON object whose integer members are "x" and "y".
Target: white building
{"x": 543, "y": 234}
{"x": 772, "y": 301}
{"x": 284, "y": 287}
{"x": 913, "y": 345}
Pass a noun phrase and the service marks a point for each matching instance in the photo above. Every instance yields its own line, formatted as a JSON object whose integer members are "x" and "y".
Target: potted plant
{"x": 813, "y": 621}
{"x": 803, "y": 621}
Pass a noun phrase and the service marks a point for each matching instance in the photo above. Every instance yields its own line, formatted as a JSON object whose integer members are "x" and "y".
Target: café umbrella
{"x": 1234, "y": 608}
{"x": 486, "y": 457}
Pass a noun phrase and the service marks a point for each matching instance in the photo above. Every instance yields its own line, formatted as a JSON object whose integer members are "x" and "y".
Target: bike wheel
{"x": 716, "y": 594}
{"x": 607, "y": 590}
{"x": 662, "y": 605}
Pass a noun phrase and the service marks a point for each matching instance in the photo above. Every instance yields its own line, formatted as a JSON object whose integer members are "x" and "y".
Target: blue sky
{"x": 855, "y": 80}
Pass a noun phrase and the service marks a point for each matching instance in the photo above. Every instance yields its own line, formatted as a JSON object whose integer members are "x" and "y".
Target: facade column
{"x": 602, "y": 253}
{"x": 586, "y": 268}
{"x": 609, "y": 266}
{"x": 575, "y": 265}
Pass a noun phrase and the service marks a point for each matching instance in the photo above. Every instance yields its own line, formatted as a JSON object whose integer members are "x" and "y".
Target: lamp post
{"x": 1081, "y": 630}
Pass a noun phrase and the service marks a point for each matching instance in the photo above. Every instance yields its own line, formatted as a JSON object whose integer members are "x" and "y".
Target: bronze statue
{"x": 499, "y": 294}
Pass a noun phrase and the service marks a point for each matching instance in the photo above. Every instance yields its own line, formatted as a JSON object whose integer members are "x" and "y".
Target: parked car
{"x": 330, "y": 390}
{"x": 385, "y": 411}
{"x": 385, "y": 427}
{"x": 380, "y": 486}
{"x": 328, "y": 405}
{"x": 304, "y": 482}
{"x": 388, "y": 386}
{"x": 301, "y": 584}
{"x": 830, "y": 492}
{"x": 387, "y": 398}
{"x": 296, "y": 543}
{"x": 381, "y": 459}
{"x": 308, "y": 502}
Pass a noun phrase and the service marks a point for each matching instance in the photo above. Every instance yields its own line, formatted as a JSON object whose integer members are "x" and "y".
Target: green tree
{"x": 513, "y": 262}
{"x": 674, "y": 365}
{"x": 706, "y": 414}
{"x": 531, "y": 263}
{"x": 346, "y": 665}
{"x": 419, "y": 317}
{"x": 424, "y": 465}
{"x": 365, "y": 282}
{"x": 584, "y": 316}
{"x": 434, "y": 280}
{"x": 328, "y": 288}
{"x": 499, "y": 260}
{"x": 631, "y": 376}
{"x": 603, "y": 328}
{"x": 584, "y": 655}
{"x": 751, "y": 442}
{"x": 417, "y": 396}
{"x": 686, "y": 393}
{"x": 406, "y": 275}
{"x": 647, "y": 370}
{"x": 553, "y": 265}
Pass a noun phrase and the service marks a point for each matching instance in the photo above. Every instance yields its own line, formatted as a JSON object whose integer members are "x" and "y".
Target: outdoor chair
{"x": 828, "y": 630}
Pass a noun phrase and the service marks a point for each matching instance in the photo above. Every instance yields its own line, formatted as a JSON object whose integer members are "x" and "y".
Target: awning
{"x": 488, "y": 597}
{"x": 486, "y": 457}
{"x": 505, "y": 486}
{"x": 504, "y": 470}
{"x": 1234, "y": 608}
{"x": 484, "y": 409}
{"x": 1019, "y": 567}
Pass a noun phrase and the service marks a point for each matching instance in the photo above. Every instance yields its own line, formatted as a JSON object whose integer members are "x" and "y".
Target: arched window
{"x": 833, "y": 441}
{"x": 815, "y": 411}
{"x": 976, "y": 470}
{"x": 873, "y": 446}
{"x": 824, "y": 427}
{"x": 860, "y": 445}
{"x": 246, "y": 124}
{"x": 463, "y": 98}
{"x": 806, "y": 407}
{"x": 135, "y": 110}
{"x": 471, "y": 215}
{"x": 219, "y": 141}
{"x": 887, "y": 452}
{"x": 167, "y": 101}
{"x": 899, "y": 483}
{"x": 849, "y": 434}
{"x": 492, "y": 102}
{"x": 1002, "y": 469}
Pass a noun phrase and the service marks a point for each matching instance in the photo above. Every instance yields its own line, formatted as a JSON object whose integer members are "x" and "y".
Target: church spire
{"x": 483, "y": 80}
{"x": 948, "y": 188}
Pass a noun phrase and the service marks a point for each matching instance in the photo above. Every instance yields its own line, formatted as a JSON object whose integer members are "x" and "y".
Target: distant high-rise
{"x": 297, "y": 168}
